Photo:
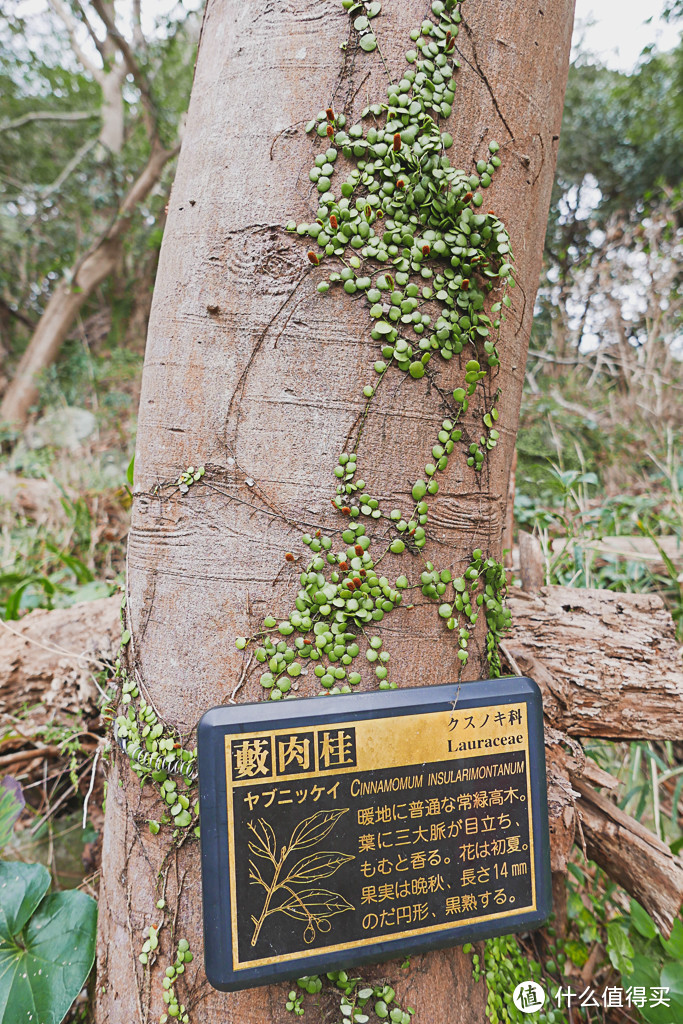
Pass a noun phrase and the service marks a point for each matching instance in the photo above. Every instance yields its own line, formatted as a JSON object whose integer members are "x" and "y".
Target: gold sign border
{"x": 423, "y": 719}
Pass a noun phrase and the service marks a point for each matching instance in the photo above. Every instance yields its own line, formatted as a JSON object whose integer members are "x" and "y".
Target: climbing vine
{"x": 506, "y": 966}
{"x": 357, "y": 999}
{"x": 402, "y": 232}
{"x": 156, "y": 753}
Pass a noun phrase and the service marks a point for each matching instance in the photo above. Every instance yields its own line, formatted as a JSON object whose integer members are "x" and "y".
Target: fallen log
{"x": 629, "y": 852}
{"x": 51, "y": 656}
{"x": 632, "y": 856}
{"x": 49, "y": 662}
{"x": 609, "y": 665}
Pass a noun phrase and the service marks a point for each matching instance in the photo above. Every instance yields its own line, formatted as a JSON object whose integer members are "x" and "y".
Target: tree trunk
{"x": 69, "y": 296}
{"x": 252, "y": 373}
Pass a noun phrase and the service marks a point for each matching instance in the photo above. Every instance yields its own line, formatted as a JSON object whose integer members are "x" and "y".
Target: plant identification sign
{"x": 342, "y": 831}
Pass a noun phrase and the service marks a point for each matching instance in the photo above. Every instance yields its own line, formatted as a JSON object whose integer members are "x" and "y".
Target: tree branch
{"x": 149, "y": 110}
{"x": 17, "y": 314}
{"x": 138, "y": 37}
{"x": 49, "y": 115}
{"x": 68, "y": 168}
{"x": 69, "y": 295}
{"x": 71, "y": 25}
{"x": 99, "y": 43}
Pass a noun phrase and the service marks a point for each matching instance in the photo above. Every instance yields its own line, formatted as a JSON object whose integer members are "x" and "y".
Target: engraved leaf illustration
{"x": 316, "y": 866}
{"x": 314, "y": 903}
{"x": 314, "y": 829}
{"x": 314, "y": 906}
{"x": 264, "y": 843}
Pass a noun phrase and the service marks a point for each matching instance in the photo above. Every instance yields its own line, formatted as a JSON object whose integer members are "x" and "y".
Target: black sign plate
{"x": 343, "y": 831}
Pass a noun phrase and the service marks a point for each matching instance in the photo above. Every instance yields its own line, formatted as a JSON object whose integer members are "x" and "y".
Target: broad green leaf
{"x": 662, "y": 1014}
{"x": 12, "y": 804}
{"x": 317, "y": 865}
{"x": 644, "y": 974}
{"x": 674, "y": 944}
{"x": 314, "y": 829}
{"x": 642, "y": 921}
{"x": 619, "y": 947}
{"x": 41, "y": 975}
{"x": 22, "y": 887}
{"x": 671, "y": 978}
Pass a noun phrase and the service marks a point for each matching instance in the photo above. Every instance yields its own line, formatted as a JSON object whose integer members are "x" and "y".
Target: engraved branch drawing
{"x": 292, "y": 890}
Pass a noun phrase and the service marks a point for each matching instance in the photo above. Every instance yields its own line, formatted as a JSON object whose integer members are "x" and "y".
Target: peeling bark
{"x": 609, "y": 664}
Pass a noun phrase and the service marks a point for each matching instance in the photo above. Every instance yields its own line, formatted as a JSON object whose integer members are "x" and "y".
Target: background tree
{"x": 253, "y": 374}
{"x": 605, "y": 351}
{"x": 85, "y": 145}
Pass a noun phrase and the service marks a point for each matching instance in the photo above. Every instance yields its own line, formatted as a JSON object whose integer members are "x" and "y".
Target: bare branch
{"x": 99, "y": 43}
{"x": 18, "y": 315}
{"x": 68, "y": 297}
{"x": 49, "y": 115}
{"x": 68, "y": 168}
{"x": 43, "y": 193}
{"x": 71, "y": 25}
{"x": 149, "y": 110}
{"x": 138, "y": 37}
